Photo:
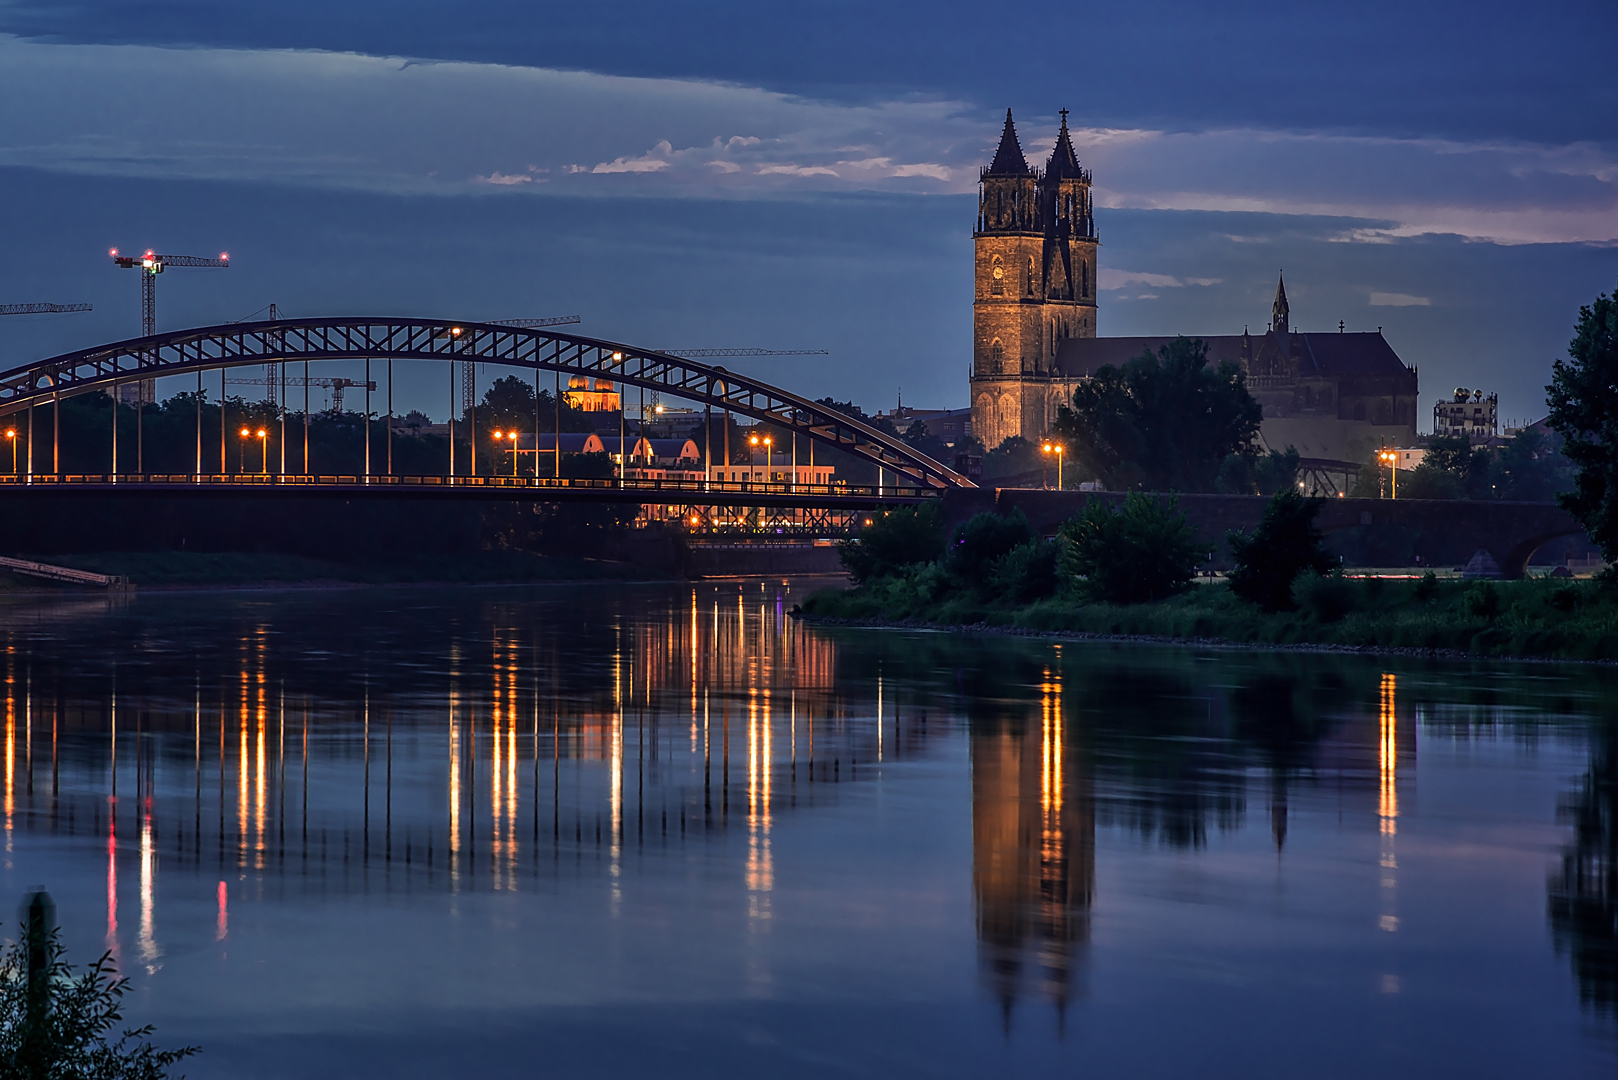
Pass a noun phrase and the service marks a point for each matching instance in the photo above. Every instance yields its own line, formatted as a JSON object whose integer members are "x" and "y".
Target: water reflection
{"x": 300, "y": 750}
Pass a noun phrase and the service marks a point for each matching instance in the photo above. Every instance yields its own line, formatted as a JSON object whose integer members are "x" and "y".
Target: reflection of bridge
{"x": 217, "y": 348}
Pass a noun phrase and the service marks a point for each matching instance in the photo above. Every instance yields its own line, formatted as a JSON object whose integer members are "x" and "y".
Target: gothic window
{"x": 1028, "y": 285}
{"x": 997, "y": 284}
{"x": 997, "y": 355}
{"x": 1084, "y": 279}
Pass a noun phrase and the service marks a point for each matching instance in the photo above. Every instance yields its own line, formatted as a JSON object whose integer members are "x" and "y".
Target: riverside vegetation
{"x": 1133, "y": 571}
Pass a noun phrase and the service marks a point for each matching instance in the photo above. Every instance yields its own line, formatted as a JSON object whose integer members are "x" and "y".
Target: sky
{"x": 803, "y": 176}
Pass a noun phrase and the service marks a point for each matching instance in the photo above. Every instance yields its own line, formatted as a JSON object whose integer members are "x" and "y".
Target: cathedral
{"x": 1332, "y": 396}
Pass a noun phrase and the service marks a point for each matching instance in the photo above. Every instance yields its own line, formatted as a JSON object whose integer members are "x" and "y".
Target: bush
{"x": 1285, "y": 544}
{"x": 1483, "y": 600}
{"x": 1328, "y": 597}
{"x": 1027, "y": 572}
{"x": 1427, "y": 587}
{"x": 58, "y": 1025}
{"x": 894, "y": 541}
{"x": 1144, "y": 551}
{"x": 981, "y": 542}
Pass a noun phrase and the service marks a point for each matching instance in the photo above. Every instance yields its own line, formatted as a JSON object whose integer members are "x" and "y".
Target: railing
{"x": 63, "y": 573}
{"x": 629, "y": 485}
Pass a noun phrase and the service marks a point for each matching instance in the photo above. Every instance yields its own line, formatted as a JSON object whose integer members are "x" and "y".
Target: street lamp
{"x": 11, "y": 433}
{"x": 1057, "y": 449}
{"x": 246, "y": 434}
{"x": 263, "y": 452}
{"x": 512, "y": 435}
{"x": 755, "y": 440}
{"x": 1390, "y": 458}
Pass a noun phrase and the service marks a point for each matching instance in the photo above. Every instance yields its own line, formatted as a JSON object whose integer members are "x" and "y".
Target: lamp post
{"x": 512, "y": 435}
{"x": 247, "y": 433}
{"x": 1391, "y": 459}
{"x": 11, "y": 433}
{"x": 263, "y": 452}
{"x": 1057, "y": 449}
{"x": 768, "y": 461}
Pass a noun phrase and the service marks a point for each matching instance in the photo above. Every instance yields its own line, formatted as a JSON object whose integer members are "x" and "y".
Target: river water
{"x": 600, "y": 831}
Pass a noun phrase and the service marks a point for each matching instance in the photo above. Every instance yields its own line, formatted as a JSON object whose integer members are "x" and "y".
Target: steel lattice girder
{"x": 241, "y": 344}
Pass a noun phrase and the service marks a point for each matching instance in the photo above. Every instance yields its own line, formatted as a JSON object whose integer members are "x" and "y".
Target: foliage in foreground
{"x": 1145, "y": 550}
{"x": 60, "y": 1027}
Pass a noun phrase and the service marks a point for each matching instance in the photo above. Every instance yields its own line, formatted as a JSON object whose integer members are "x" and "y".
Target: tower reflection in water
{"x": 1033, "y": 850}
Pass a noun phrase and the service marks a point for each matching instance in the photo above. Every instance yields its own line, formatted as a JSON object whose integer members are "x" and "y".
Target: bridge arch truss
{"x": 294, "y": 340}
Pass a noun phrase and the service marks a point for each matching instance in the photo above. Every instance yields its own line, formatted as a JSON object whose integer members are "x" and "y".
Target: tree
{"x": 1584, "y": 411}
{"x": 1248, "y": 473}
{"x": 1145, "y": 550}
{"x": 919, "y": 439}
{"x": 1160, "y": 423}
{"x": 894, "y": 542}
{"x": 1429, "y": 480}
{"x": 1531, "y": 468}
{"x": 1285, "y": 544}
{"x": 56, "y": 1026}
{"x": 977, "y": 545}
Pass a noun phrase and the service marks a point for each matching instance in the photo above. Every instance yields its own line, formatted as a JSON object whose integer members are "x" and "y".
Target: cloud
{"x": 342, "y": 120}
{"x": 1110, "y": 280}
{"x": 1397, "y": 299}
{"x": 655, "y": 161}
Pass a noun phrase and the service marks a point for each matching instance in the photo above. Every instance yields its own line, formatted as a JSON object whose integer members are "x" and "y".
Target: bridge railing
{"x": 631, "y": 486}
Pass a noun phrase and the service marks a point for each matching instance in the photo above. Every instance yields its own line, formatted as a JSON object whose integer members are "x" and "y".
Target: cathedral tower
{"x": 1035, "y": 264}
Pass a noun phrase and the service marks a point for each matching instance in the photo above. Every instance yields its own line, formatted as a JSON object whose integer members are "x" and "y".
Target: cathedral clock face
{"x": 999, "y": 273}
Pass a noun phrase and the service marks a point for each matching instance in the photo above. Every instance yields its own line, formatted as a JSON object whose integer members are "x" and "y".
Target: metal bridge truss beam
{"x": 241, "y": 344}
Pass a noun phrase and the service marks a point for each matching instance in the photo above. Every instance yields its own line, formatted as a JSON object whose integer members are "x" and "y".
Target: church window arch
{"x": 997, "y": 277}
{"x": 1084, "y": 278}
{"x": 997, "y": 355}
{"x": 1028, "y": 282}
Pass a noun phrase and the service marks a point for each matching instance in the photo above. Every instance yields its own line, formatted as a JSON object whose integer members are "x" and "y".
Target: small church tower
{"x": 1035, "y": 262}
{"x": 1279, "y": 311}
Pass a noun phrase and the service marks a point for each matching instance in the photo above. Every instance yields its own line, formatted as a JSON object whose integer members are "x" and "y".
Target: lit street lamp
{"x": 1391, "y": 459}
{"x": 11, "y": 433}
{"x": 767, "y": 459}
{"x": 512, "y": 435}
{"x": 263, "y": 452}
{"x": 1057, "y": 449}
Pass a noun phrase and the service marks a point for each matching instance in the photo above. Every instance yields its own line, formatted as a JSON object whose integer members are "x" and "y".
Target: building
{"x": 1333, "y": 396}
{"x": 1468, "y": 413}
{"x": 1034, "y": 284}
{"x": 581, "y": 395}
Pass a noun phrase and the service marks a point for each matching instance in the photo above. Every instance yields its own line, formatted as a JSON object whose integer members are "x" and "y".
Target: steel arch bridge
{"x": 212, "y": 348}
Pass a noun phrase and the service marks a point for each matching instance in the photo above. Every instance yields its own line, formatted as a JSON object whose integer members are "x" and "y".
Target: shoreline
{"x": 1405, "y": 651}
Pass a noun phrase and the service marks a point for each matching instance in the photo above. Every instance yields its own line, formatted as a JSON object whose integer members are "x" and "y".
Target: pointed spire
{"x": 1008, "y": 159}
{"x": 1064, "y": 161}
{"x": 1280, "y": 310}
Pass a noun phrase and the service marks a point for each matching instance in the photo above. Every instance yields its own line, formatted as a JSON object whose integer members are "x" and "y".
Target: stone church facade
{"x": 1333, "y": 396}
{"x": 1035, "y": 251}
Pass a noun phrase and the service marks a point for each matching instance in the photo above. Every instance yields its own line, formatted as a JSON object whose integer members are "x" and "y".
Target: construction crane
{"x": 336, "y": 386}
{"x": 151, "y": 264}
{"x": 40, "y": 309}
{"x": 533, "y": 324}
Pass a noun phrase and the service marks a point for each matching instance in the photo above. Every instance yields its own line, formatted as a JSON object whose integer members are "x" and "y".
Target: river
{"x": 632, "y": 830}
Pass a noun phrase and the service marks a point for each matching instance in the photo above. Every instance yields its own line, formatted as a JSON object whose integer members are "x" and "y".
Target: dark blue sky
{"x": 801, "y": 175}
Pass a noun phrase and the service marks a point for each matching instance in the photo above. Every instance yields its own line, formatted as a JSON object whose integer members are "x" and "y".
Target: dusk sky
{"x": 803, "y": 175}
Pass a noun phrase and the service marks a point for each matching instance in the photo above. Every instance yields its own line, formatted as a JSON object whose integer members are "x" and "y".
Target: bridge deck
{"x": 543, "y": 488}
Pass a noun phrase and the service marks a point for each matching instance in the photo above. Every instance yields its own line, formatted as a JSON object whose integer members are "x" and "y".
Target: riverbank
{"x": 170, "y": 570}
{"x": 1543, "y": 618}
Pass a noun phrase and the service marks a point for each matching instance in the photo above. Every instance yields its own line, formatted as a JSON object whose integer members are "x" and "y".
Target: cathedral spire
{"x": 1279, "y": 311}
{"x": 1064, "y": 161}
{"x": 1008, "y": 159}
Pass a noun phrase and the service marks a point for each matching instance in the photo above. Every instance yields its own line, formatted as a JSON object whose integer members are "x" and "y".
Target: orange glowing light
{"x": 245, "y": 433}
{"x": 261, "y": 433}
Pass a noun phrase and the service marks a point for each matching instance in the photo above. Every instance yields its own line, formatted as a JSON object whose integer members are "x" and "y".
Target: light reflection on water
{"x": 668, "y": 826}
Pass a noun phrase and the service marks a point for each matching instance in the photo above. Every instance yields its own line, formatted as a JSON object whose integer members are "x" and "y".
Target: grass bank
{"x": 1543, "y": 618}
{"x": 174, "y": 569}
